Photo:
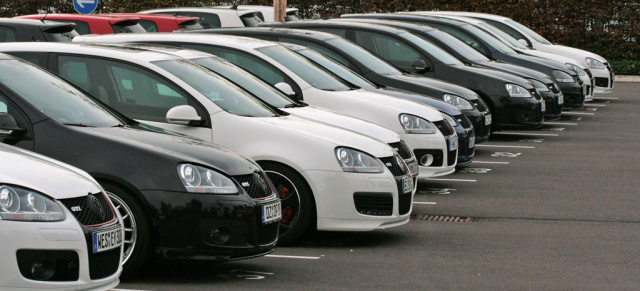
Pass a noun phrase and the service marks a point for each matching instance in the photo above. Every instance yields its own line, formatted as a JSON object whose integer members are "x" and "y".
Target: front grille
{"x": 402, "y": 148}
{"x": 376, "y": 204}
{"x": 104, "y": 264}
{"x": 602, "y": 82}
{"x": 65, "y": 265}
{"x": 451, "y": 157}
{"x": 236, "y": 228}
{"x": 256, "y": 185}
{"x": 90, "y": 210}
{"x": 464, "y": 121}
{"x": 479, "y": 103}
{"x": 267, "y": 233}
{"x": 437, "y": 157}
{"x": 397, "y": 169}
{"x": 444, "y": 127}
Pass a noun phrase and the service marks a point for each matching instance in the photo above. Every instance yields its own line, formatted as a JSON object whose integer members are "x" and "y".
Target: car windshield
{"x": 336, "y": 68}
{"x": 503, "y": 36}
{"x": 459, "y": 46}
{"x": 363, "y": 56}
{"x": 246, "y": 80}
{"x": 431, "y": 48}
{"x": 54, "y": 97}
{"x": 223, "y": 93}
{"x": 311, "y": 73}
{"x": 529, "y": 32}
{"x": 492, "y": 41}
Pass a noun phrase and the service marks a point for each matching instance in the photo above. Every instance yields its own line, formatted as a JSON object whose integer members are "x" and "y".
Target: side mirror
{"x": 420, "y": 66}
{"x": 8, "y": 125}
{"x": 183, "y": 115}
{"x": 524, "y": 42}
{"x": 286, "y": 89}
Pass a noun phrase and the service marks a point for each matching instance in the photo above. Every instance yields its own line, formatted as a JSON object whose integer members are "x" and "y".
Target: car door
{"x": 132, "y": 90}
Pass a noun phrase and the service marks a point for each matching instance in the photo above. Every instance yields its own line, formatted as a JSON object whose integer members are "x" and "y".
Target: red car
{"x": 163, "y": 22}
{"x": 94, "y": 23}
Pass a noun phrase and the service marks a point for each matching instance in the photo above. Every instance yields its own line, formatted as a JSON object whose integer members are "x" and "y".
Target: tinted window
{"x": 53, "y": 96}
{"x": 320, "y": 49}
{"x": 337, "y": 31}
{"x": 252, "y": 64}
{"x": 223, "y": 93}
{"x": 190, "y": 25}
{"x": 393, "y": 51}
{"x": 250, "y": 19}
{"x": 530, "y": 32}
{"x": 207, "y": 20}
{"x": 8, "y": 34}
{"x": 372, "y": 62}
{"x": 456, "y": 44}
{"x": 507, "y": 29}
{"x": 502, "y": 35}
{"x": 148, "y": 25}
{"x": 123, "y": 27}
{"x": 490, "y": 39}
{"x": 82, "y": 27}
{"x": 336, "y": 68}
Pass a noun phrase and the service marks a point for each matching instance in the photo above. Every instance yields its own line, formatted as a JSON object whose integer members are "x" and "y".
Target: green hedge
{"x": 608, "y": 28}
{"x": 626, "y": 67}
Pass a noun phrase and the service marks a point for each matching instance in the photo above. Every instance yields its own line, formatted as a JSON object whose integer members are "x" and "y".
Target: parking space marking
{"x": 577, "y": 113}
{"x": 127, "y": 290}
{"x": 595, "y": 105}
{"x": 439, "y": 191}
{"x": 451, "y": 180}
{"x": 293, "y": 257}
{"x": 426, "y": 203}
{"x": 606, "y": 98}
{"x": 525, "y": 133}
{"x": 560, "y": 123}
{"x": 485, "y": 162}
{"x": 504, "y": 146}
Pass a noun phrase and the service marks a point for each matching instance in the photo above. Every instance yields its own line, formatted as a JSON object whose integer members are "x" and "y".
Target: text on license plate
{"x": 543, "y": 106}
{"x": 407, "y": 185}
{"x": 487, "y": 119}
{"x": 107, "y": 240}
{"x": 271, "y": 212}
{"x": 472, "y": 142}
{"x": 453, "y": 144}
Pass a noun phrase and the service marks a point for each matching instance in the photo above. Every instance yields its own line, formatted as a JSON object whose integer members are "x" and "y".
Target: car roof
{"x": 228, "y": 40}
{"x": 321, "y": 36}
{"x": 86, "y": 17}
{"x": 202, "y": 9}
{"x": 343, "y": 24}
{"x": 261, "y": 8}
{"x": 464, "y": 13}
{"x": 30, "y": 22}
{"x": 177, "y": 18}
{"x": 106, "y": 50}
{"x": 389, "y": 22}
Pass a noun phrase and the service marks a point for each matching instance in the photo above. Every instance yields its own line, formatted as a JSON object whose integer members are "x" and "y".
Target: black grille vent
{"x": 444, "y": 127}
{"x": 104, "y": 264}
{"x": 405, "y": 200}
{"x": 479, "y": 103}
{"x": 464, "y": 121}
{"x": 267, "y": 233}
{"x": 438, "y": 157}
{"x": 397, "y": 169}
{"x": 451, "y": 157}
{"x": 376, "y": 204}
{"x": 236, "y": 228}
{"x": 403, "y": 149}
{"x": 67, "y": 266}
{"x": 256, "y": 185}
{"x": 86, "y": 211}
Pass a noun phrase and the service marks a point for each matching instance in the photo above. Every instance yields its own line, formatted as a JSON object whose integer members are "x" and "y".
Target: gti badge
{"x": 76, "y": 208}
{"x": 245, "y": 184}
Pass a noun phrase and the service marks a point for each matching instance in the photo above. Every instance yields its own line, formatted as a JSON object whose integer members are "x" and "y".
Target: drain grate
{"x": 444, "y": 218}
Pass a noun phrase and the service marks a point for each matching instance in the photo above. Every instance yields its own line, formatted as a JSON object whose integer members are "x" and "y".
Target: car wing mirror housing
{"x": 420, "y": 66}
{"x": 9, "y": 126}
{"x": 184, "y": 115}
{"x": 524, "y": 42}
{"x": 286, "y": 89}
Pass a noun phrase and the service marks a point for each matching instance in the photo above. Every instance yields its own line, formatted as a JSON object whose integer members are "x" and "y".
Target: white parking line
{"x": 452, "y": 180}
{"x": 504, "y": 146}
{"x": 428, "y": 203}
{"x": 128, "y": 290}
{"x": 559, "y": 123}
{"x": 606, "y": 98}
{"x": 525, "y": 133}
{"x": 577, "y": 113}
{"x": 483, "y": 162}
{"x": 595, "y": 105}
{"x": 293, "y": 257}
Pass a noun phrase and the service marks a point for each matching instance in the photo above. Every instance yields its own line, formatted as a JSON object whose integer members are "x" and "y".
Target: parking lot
{"x": 552, "y": 209}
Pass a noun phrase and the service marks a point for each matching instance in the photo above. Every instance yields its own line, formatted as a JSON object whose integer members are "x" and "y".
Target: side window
{"x": 207, "y": 20}
{"x": 393, "y": 51}
{"x": 508, "y": 30}
{"x": 337, "y": 31}
{"x": 254, "y": 65}
{"x": 148, "y": 25}
{"x": 7, "y": 107}
{"x": 81, "y": 26}
{"x": 39, "y": 59}
{"x": 322, "y": 50}
{"x": 135, "y": 92}
{"x": 8, "y": 34}
{"x": 466, "y": 38}
{"x": 3, "y": 104}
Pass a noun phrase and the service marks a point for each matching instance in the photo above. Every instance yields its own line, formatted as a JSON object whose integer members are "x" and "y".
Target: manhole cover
{"x": 444, "y": 218}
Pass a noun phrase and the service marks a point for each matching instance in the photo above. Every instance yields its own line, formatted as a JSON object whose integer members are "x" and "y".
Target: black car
{"x": 376, "y": 70}
{"x": 546, "y": 87}
{"x": 513, "y": 101}
{"x": 568, "y": 80}
{"x": 23, "y": 30}
{"x": 179, "y": 197}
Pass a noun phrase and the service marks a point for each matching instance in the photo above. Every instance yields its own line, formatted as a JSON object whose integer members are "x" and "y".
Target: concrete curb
{"x": 627, "y": 79}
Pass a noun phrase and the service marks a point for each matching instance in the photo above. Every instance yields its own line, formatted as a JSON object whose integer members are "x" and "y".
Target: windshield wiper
{"x": 291, "y": 105}
{"x": 77, "y": 124}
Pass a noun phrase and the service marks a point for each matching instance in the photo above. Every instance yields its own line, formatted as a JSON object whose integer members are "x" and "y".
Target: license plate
{"x": 271, "y": 212}
{"x": 472, "y": 142}
{"x": 453, "y": 144}
{"x": 413, "y": 168}
{"x": 107, "y": 240}
{"x": 407, "y": 185}
{"x": 543, "y": 106}
{"x": 560, "y": 99}
{"x": 487, "y": 119}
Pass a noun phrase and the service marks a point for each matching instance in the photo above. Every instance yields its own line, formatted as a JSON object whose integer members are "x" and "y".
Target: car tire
{"x": 298, "y": 205}
{"x": 137, "y": 238}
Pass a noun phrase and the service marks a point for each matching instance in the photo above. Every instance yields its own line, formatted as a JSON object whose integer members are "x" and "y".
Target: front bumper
{"x": 432, "y": 153}
{"x": 553, "y": 104}
{"x": 67, "y": 244}
{"x": 344, "y": 199}
{"x": 604, "y": 79}
{"x": 466, "y": 144}
{"x": 521, "y": 113}
{"x": 574, "y": 96}
{"x": 185, "y": 225}
{"x": 481, "y": 120}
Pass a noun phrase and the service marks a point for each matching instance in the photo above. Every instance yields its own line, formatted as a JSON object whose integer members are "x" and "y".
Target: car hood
{"x": 399, "y": 104}
{"x": 553, "y": 57}
{"x": 357, "y": 125}
{"x": 156, "y": 141}
{"x": 565, "y": 50}
{"x": 45, "y": 175}
{"x": 423, "y": 99}
{"x": 496, "y": 75}
{"x": 518, "y": 71}
{"x": 443, "y": 86}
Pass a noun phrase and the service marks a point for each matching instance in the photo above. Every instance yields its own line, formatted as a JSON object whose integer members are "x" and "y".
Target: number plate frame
{"x": 107, "y": 240}
{"x": 271, "y": 212}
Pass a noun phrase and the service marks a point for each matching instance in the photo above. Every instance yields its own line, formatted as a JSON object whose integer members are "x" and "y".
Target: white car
{"x": 214, "y": 17}
{"x": 49, "y": 238}
{"x": 598, "y": 66}
{"x": 325, "y": 176}
{"x": 266, "y": 12}
{"x": 420, "y": 126}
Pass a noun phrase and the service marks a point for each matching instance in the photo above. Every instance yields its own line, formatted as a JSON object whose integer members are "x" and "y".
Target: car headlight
{"x": 457, "y": 101}
{"x": 517, "y": 91}
{"x": 450, "y": 120}
{"x": 562, "y": 77}
{"x": 198, "y": 179}
{"x": 594, "y": 64}
{"x": 20, "y": 204}
{"x": 579, "y": 70}
{"x": 539, "y": 85}
{"x": 416, "y": 125}
{"x": 357, "y": 162}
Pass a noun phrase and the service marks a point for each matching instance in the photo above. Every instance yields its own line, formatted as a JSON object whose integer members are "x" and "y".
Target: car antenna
{"x": 235, "y": 5}
{"x": 45, "y": 15}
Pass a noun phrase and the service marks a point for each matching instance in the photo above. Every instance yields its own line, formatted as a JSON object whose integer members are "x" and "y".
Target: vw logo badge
{"x": 94, "y": 204}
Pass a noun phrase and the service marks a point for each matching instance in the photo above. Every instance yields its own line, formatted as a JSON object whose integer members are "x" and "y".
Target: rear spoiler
{"x": 59, "y": 27}
{"x": 187, "y": 20}
{"x": 125, "y": 21}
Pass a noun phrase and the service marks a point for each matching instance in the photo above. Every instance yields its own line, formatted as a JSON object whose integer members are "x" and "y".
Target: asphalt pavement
{"x": 550, "y": 209}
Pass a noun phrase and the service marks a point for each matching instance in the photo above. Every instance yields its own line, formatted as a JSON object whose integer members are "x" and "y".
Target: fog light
{"x": 220, "y": 235}
{"x": 43, "y": 270}
{"x": 426, "y": 160}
